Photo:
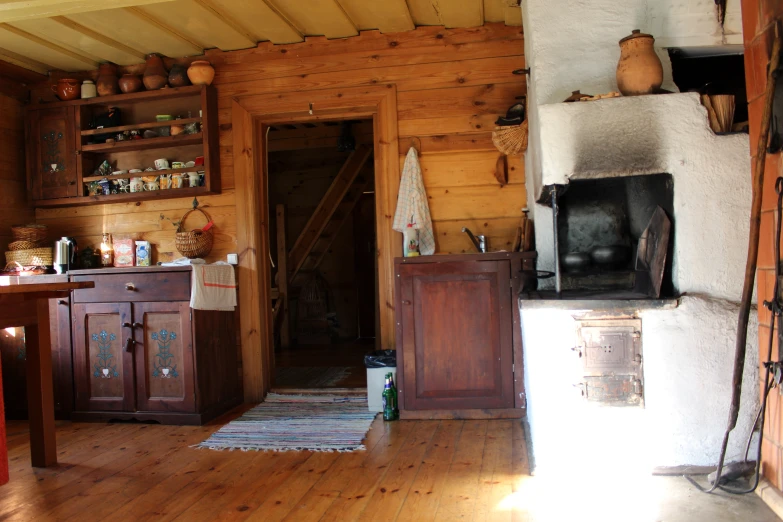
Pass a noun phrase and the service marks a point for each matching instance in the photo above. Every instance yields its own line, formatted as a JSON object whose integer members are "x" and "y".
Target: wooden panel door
{"x": 52, "y": 161}
{"x": 165, "y": 379}
{"x": 456, "y": 335}
{"x": 102, "y": 357}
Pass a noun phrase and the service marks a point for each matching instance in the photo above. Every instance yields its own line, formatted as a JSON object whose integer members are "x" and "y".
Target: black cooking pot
{"x": 575, "y": 261}
{"x": 613, "y": 256}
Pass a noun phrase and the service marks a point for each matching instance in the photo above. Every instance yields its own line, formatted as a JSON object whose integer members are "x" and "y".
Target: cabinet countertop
{"x": 129, "y": 270}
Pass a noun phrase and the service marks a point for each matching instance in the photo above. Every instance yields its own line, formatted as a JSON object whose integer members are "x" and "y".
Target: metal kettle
{"x": 64, "y": 254}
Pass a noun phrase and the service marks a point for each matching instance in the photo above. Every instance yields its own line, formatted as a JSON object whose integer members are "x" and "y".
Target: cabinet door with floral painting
{"x": 51, "y": 165}
{"x": 103, "y": 357}
{"x": 165, "y": 380}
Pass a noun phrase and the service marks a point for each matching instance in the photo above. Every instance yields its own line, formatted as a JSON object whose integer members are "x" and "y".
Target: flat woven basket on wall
{"x": 32, "y": 233}
{"x": 197, "y": 242}
{"x": 30, "y": 257}
{"x": 511, "y": 139}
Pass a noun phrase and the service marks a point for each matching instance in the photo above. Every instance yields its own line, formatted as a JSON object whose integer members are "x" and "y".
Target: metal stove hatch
{"x": 611, "y": 354}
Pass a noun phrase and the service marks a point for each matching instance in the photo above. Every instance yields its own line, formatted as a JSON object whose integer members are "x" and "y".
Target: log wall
{"x": 13, "y": 196}
{"x": 452, "y": 84}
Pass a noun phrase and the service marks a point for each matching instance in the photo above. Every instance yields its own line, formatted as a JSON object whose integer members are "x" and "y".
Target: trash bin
{"x": 378, "y": 364}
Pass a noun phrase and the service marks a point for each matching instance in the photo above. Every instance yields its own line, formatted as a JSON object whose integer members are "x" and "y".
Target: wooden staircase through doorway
{"x": 329, "y": 216}
{"x": 313, "y": 243}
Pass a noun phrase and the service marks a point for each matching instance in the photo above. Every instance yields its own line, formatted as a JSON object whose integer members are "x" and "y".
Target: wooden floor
{"x": 412, "y": 470}
{"x": 345, "y": 354}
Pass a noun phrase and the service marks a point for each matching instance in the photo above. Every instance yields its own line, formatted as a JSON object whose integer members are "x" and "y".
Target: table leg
{"x": 40, "y": 394}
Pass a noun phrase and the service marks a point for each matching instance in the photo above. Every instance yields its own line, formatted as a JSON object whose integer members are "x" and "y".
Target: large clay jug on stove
{"x": 155, "y": 75}
{"x": 639, "y": 70}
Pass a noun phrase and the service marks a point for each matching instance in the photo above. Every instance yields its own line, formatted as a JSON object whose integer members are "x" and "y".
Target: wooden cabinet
{"x": 458, "y": 348}
{"x": 68, "y": 141}
{"x": 51, "y": 154}
{"x": 164, "y": 356}
{"x": 102, "y": 357}
{"x": 148, "y": 355}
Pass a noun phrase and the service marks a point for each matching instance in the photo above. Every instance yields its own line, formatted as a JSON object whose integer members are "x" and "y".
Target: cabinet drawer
{"x": 113, "y": 288}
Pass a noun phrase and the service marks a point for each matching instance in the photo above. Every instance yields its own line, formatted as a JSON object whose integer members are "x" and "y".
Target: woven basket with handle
{"x": 197, "y": 242}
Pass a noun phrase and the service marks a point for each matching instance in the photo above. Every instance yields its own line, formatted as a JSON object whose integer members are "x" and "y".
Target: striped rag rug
{"x": 297, "y": 422}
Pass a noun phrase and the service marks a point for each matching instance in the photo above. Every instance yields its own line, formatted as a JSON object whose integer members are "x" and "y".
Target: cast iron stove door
{"x": 611, "y": 352}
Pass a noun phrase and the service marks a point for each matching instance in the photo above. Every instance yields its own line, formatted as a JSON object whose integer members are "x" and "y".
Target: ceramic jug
{"x": 155, "y": 75}
{"x": 107, "y": 84}
{"x": 130, "y": 83}
{"x": 67, "y": 89}
{"x": 639, "y": 70}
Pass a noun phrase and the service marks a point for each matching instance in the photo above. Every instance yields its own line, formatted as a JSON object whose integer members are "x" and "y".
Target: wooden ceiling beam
{"x": 25, "y": 62}
{"x": 284, "y": 19}
{"x": 143, "y": 15}
{"x": 86, "y": 31}
{"x": 53, "y": 46}
{"x": 226, "y": 18}
{"x": 347, "y": 18}
{"x": 15, "y": 10}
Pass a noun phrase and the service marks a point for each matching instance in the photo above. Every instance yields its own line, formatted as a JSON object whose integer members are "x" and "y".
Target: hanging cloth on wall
{"x": 412, "y": 206}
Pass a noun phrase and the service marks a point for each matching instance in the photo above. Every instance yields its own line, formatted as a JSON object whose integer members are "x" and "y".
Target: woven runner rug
{"x": 297, "y": 422}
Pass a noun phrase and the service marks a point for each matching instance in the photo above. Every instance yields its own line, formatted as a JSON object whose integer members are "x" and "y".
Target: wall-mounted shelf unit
{"x": 64, "y": 149}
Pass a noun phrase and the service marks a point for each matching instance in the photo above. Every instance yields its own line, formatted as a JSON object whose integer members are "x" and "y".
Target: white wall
{"x": 655, "y": 134}
{"x": 687, "y": 376}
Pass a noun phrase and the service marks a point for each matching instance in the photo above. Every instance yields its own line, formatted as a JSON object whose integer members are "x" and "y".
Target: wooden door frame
{"x": 250, "y": 117}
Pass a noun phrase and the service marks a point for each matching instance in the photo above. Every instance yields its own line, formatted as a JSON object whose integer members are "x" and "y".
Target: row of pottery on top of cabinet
{"x": 155, "y": 77}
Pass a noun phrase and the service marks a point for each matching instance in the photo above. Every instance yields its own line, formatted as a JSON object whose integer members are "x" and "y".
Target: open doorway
{"x": 323, "y": 238}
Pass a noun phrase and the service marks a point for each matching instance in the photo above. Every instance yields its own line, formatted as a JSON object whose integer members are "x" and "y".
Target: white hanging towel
{"x": 412, "y": 206}
{"x": 213, "y": 287}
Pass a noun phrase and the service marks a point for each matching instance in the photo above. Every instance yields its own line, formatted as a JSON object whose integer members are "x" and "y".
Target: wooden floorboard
{"x": 410, "y": 471}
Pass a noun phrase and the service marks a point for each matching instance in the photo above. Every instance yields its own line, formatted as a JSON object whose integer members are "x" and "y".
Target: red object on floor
{"x": 3, "y": 448}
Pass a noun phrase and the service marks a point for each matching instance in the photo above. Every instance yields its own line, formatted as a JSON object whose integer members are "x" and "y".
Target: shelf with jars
{"x": 126, "y": 147}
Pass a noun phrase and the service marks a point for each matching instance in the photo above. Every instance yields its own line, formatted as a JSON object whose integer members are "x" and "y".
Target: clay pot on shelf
{"x": 107, "y": 84}
{"x": 155, "y": 75}
{"x": 639, "y": 70}
{"x": 201, "y": 72}
{"x": 130, "y": 83}
{"x": 67, "y": 89}
{"x": 178, "y": 76}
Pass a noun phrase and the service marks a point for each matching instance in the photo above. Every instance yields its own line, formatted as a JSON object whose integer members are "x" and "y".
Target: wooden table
{"x": 24, "y": 302}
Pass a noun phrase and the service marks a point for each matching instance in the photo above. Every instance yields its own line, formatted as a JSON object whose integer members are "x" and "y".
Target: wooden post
{"x": 282, "y": 275}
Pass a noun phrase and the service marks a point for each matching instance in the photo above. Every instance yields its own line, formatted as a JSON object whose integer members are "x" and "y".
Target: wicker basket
{"x": 32, "y": 233}
{"x": 197, "y": 242}
{"x": 30, "y": 257}
{"x": 511, "y": 139}
{"x": 22, "y": 245}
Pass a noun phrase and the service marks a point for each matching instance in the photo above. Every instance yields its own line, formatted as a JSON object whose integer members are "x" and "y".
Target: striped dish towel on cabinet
{"x": 214, "y": 287}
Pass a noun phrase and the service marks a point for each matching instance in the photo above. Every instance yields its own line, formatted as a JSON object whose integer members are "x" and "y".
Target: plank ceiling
{"x": 77, "y": 35}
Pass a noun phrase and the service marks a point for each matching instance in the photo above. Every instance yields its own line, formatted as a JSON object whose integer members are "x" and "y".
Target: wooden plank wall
{"x": 13, "y": 196}
{"x": 452, "y": 84}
